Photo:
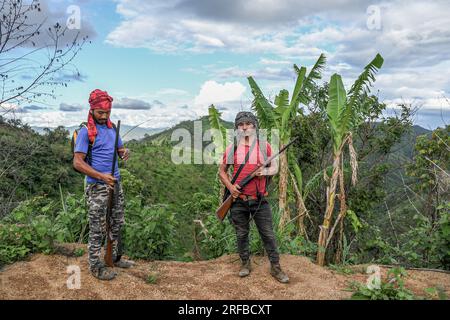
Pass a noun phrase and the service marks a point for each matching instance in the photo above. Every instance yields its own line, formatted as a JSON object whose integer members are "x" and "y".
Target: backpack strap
{"x": 91, "y": 145}
{"x": 247, "y": 156}
{"x": 267, "y": 178}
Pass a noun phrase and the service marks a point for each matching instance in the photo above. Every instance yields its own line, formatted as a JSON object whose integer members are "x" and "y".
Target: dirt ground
{"x": 45, "y": 277}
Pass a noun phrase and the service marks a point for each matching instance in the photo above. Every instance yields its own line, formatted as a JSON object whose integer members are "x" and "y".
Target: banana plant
{"x": 216, "y": 123}
{"x": 280, "y": 116}
{"x": 345, "y": 114}
{"x": 220, "y": 141}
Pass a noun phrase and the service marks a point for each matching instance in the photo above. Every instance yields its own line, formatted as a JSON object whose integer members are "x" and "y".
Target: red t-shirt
{"x": 256, "y": 158}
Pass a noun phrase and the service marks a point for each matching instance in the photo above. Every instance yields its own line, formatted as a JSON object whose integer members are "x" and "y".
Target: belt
{"x": 247, "y": 197}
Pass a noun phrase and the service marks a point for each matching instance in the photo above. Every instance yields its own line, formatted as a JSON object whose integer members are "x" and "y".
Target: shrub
{"x": 71, "y": 223}
{"x": 390, "y": 289}
{"x": 149, "y": 231}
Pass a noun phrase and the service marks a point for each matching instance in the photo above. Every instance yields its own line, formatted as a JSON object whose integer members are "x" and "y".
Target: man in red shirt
{"x": 250, "y": 202}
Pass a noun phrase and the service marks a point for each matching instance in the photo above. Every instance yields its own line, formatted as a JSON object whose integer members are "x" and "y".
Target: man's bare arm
{"x": 271, "y": 170}
{"x": 223, "y": 176}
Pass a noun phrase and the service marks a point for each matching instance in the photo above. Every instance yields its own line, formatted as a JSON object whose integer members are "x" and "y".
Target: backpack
{"x": 73, "y": 143}
{"x": 75, "y": 134}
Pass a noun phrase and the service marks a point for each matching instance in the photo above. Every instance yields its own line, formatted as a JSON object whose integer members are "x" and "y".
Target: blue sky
{"x": 166, "y": 61}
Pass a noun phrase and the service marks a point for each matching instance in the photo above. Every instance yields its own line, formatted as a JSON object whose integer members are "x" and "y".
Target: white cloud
{"x": 274, "y": 62}
{"x": 414, "y": 39}
{"x": 163, "y": 113}
{"x": 212, "y": 92}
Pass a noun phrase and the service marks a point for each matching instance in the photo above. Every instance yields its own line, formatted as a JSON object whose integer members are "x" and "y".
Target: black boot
{"x": 245, "y": 268}
{"x": 277, "y": 273}
{"x": 103, "y": 273}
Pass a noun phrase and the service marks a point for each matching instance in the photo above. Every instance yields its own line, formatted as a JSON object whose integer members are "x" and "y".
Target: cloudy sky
{"x": 167, "y": 61}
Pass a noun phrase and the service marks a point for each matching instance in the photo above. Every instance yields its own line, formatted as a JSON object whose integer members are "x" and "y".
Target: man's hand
{"x": 124, "y": 154}
{"x": 262, "y": 172}
{"x": 109, "y": 179}
{"x": 234, "y": 190}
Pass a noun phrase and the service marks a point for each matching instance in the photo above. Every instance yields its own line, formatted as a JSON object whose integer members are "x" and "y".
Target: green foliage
{"x": 337, "y": 111}
{"x": 165, "y": 182}
{"x": 37, "y": 224}
{"x": 342, "y": 269}
{"x": 217, "y": 239}
{"x": 427, "y": 244}
{"x": 356, "y": 224}
{"x": 309, "y": 82}
{"x": 15, "y": 243}
{"x": 392, "y": 288}
{"x": 432, "y": 160}
{"x": 33, "y": 164}
{"x": 262, "y": 107}
{"x": 152, "y": 278}
{"x": 347, "y": 113}
{"x": 79, "y": 252}
{"x": 289, "y": 241}
{"x": 216, "y": 123}
{"x": 71, "y": 224}
{"x": 131, "y": 184}
{"x": 149, "y": 231}
{"x": 361, "y": 87}
{"x": 27, "y": 229}
{"x": 170, "y": 208}
{"x": 436, "y": 293}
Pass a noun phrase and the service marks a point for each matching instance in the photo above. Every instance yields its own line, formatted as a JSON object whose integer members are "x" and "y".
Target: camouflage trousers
{"x": 97, "y": 201}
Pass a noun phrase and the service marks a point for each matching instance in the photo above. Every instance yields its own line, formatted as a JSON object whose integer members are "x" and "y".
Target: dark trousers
{"x": 240, "y": 218}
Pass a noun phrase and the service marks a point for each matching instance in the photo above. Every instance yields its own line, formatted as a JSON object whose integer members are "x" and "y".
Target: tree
{"x": 220, "y": 140}
{"x": 280, "y": 117}
{"x": 430, "y": 187}
{"x": 345, "y": 114}
{"x": 431, "y": 167}
{"x": 33, "y": 54}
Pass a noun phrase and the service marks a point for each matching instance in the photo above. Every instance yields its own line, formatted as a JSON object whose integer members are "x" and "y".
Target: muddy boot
{"x": 125, "y": 264}
{"x": 103, "y": 273}
{"x": 277, "y": 273}
{"x": 245, "y": 269}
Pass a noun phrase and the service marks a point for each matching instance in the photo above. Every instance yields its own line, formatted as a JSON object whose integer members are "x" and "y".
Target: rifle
{"x": 108, "y": 255}
{"x": 226, "y": 204}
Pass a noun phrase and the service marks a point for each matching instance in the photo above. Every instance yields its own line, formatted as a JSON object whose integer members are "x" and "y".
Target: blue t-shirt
{"x": 102, "y": 150}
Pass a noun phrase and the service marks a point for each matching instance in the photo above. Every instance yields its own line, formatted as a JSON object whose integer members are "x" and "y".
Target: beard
{"x": 100, "y": 121}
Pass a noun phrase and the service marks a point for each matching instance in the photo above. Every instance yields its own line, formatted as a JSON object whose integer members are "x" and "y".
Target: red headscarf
{"x": 98, "y": 99}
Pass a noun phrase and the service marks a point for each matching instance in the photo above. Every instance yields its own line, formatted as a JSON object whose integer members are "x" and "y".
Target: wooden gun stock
{"x": 223, "y": 210}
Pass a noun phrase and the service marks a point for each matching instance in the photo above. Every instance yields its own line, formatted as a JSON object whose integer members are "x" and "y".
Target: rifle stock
{"x": 223, "y": 210}
{"x": 108, "y": 254}
{"x": 226, "y": 204}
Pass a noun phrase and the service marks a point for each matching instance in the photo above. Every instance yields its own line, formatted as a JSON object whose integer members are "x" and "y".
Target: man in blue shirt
{"x": 100, "y": 134}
